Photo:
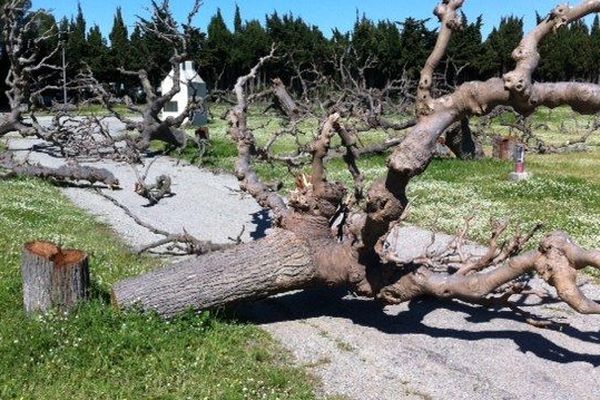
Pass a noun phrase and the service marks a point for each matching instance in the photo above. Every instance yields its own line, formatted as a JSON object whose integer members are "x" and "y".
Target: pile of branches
{"x": 73, "y": 138}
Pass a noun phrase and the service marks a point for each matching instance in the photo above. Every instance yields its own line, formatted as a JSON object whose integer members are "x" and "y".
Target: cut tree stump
{"x": 53, "y": 277}
{"x": 504, "y": 147}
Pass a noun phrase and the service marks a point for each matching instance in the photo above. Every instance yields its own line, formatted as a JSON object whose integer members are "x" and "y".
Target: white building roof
{"x": 188, "y": 73}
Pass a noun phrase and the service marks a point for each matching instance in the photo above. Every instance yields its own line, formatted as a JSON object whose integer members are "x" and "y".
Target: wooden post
{"x": 53, "y": 277}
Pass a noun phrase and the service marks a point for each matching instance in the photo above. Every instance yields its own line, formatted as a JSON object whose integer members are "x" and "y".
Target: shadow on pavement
{"x": 261, "y": 222}
{"x": 367, "y": 313}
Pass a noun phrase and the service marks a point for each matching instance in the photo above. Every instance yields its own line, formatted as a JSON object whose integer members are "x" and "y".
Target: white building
{"x": 191, "y": 85}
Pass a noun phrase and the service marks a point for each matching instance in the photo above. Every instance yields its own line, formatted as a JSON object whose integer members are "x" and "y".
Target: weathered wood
{"x": 284, "y": 100}
{"x": 359, "y": 256}
{"x": 278, "y": 263}
{"x": 53, "y": 277}
{"x": 64, "y": 173}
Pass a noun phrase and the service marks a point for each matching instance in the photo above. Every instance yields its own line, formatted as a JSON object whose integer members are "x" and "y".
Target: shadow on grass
{"x": 99, "y": 293}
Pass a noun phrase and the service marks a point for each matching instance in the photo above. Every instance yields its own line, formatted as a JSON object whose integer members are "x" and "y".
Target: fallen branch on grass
{"x": 64, "y": 173}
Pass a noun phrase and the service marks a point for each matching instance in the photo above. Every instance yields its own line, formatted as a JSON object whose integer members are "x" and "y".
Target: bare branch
{"x": 246, "y": 144}
{"x": 446, "y": 11}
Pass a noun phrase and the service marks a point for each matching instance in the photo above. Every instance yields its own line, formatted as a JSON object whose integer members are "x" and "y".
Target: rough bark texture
{"x": 557, "y": 262}
{"x": 64, "y": 173}
{"x": 53, "y": 278}
{"x": 280, "y": 262}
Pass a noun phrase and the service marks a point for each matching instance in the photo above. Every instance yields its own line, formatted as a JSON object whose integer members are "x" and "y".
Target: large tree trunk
{"x": 309, "y": 253}
{"x": 53, "y": 278}
{"x": 278, "y": 263}
{"x": 165, "y": 131}
{"x": 13, "y": 122}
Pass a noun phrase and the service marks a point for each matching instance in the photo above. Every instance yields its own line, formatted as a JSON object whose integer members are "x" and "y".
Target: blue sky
{"x": 326, "y": 14}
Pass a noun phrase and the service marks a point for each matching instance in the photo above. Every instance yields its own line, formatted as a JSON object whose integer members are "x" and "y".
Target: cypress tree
{"x": 237, "y": 20}
{"x": 77, "y": 42}
{"x": 120, "y": 54}
{"x": 498, "y": 47}
{"x": 119, "y": 41}
{"x": 218, "y": 50}
{"x": 97, "y": 57}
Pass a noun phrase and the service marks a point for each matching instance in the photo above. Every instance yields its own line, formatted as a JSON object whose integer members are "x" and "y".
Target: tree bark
{"x": 284, "y": 100}
{"x": 278, "y": 263}
{"x": 308, "y": 253}
{"x": 53, "y": 278}
{"x": 63, "y": 173}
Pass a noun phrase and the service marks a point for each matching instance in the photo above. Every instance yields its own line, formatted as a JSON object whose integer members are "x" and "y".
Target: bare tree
{"x": 152, "y": 126}
{"x": 310, "y": 246}
{"x": 25, "y": 62}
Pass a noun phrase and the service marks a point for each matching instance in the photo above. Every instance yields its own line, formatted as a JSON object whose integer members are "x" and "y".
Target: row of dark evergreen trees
{"x": 398, "y": 48}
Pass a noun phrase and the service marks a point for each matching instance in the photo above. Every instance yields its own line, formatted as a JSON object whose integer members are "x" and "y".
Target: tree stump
{"x": 53, "y": 277}
{"x": 504, "y": 147}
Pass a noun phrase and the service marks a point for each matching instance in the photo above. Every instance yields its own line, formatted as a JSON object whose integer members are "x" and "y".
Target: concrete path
{"x": 424, "y": 350}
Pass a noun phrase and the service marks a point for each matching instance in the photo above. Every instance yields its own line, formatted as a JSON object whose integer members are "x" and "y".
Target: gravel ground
{"x": 424, "y": 350}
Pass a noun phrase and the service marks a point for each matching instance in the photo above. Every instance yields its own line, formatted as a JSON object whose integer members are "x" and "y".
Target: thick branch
{"x": 246, "y": 145}
{"x": 446, "y": 11}
{"x": 519, "y": 81}
{"x": 557, "y": 262}
{"x": 73, "y": 173}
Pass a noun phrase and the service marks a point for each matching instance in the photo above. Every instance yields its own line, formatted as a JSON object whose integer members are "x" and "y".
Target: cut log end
{"x": 53, "y": 278}
{"x": 61, "y": 257}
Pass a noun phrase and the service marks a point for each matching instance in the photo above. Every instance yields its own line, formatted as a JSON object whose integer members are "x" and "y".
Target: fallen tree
{"x": 26, "y": 61}
{"x": 324, "y": 237}
{"x": 72, "y": 173}
{"x": 284, "y": 100}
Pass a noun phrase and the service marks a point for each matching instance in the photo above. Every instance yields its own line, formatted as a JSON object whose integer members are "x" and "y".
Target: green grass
{"x": 564, "y": 194}
{"x": 450, "y": 191}
{"x": 100, "y": 353}
{"x": 554, "y": 126}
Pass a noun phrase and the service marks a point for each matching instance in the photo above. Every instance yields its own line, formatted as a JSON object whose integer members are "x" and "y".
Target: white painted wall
{"x": 187, "y": 74}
